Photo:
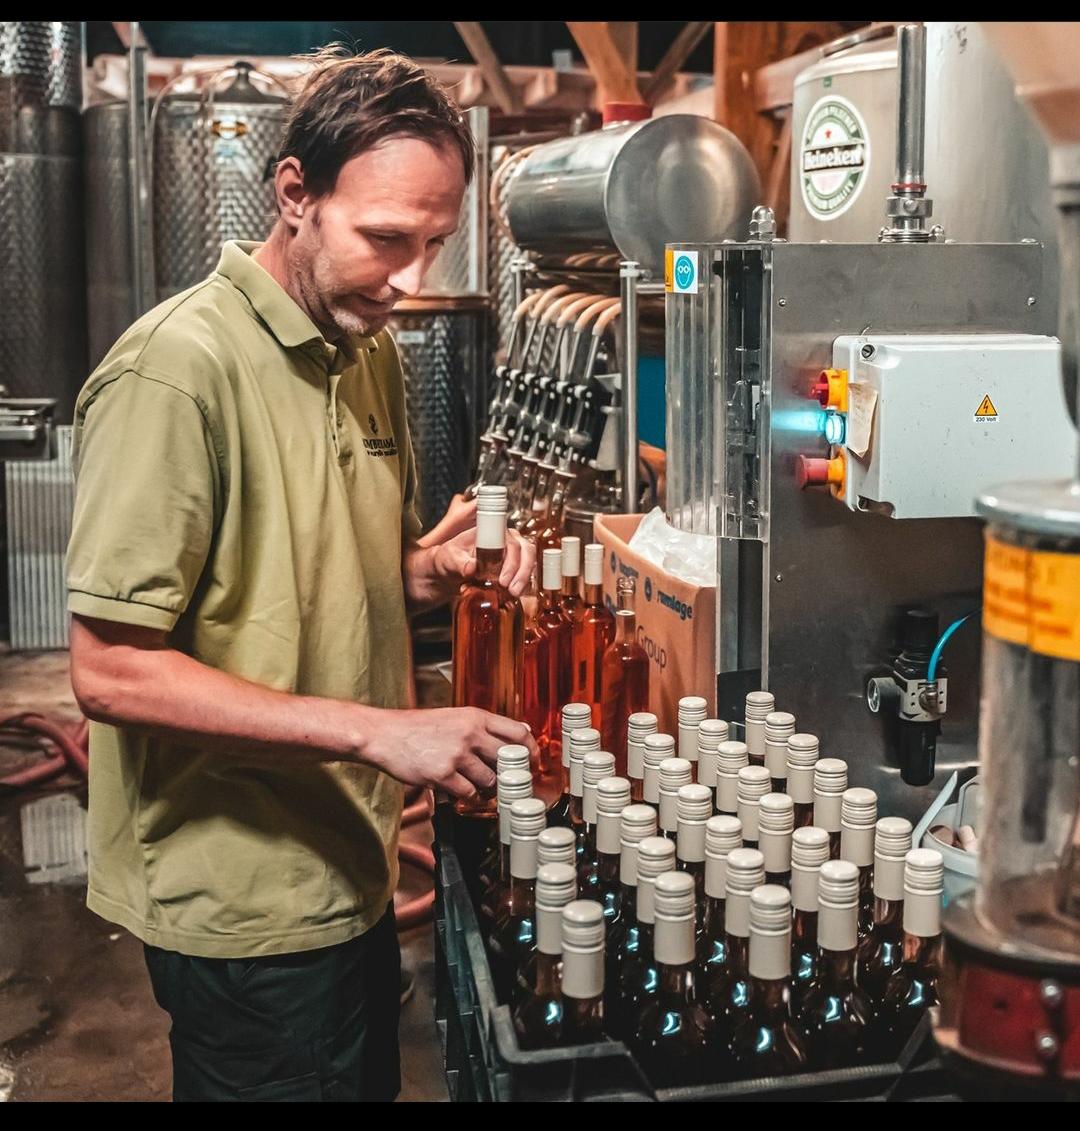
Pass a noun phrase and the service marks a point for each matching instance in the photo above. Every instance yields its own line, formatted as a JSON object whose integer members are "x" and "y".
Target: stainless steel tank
{"x": 442, "y": 348}
{"x": 110, "y": 291}
{"x": 632, "y": 187}
{"x": 43, "y": 323}
{"x": 213, "y": 154}
{"x": 986, "y": 162}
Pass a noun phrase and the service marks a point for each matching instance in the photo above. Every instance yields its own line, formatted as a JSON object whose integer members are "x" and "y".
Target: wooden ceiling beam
{"x": 617, "y": 83}
{"x": 483, "y": 53}
{"x": 677, "y": 54}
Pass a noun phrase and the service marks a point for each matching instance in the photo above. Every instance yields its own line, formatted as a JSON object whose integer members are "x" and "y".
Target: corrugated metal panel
{"x": 40, "y": 500}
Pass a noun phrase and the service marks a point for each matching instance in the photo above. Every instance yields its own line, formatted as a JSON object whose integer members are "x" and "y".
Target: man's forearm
{"x": 164, "y": 692}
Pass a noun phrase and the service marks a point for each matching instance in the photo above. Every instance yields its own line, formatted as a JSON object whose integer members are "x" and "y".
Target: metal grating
{"x": 40, "y": 499}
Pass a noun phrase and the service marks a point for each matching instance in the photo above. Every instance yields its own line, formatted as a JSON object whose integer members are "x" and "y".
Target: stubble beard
{"x": 318, "y": 292}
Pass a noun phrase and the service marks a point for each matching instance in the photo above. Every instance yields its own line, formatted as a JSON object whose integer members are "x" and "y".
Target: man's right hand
{"x": 450, "y": 748}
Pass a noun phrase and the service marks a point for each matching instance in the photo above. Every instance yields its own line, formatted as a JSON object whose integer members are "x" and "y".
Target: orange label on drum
{"x": 1032, "y": 597}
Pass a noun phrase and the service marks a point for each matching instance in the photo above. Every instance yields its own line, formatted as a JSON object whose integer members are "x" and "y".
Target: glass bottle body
{"x": 625, "y": 686}
{"x": 488, "y": 647}
{"x": 765, "y": 1041}
{"x": 514, "y": 936}
{"x": 582, "y": 1020}
{"x": 592, "y": 631}
{"x": 728, "y": 987}
{"x": 881, "y": 952}
{"x": 674, "y": 1037}
{"x": 556, "y": 682}
{"x": 636, "y": 979}
{"x": 538, "y": 1016}
{"x": 834, "y": 1014}
{"x": 908, "y": 993}
{"x": 712, "y": 945}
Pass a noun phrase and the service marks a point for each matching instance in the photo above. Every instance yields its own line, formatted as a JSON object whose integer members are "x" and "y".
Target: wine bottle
{"x": 830, "y": 781}
{"x": 539, "y": 1010}
{"x": 858, "y": 816}
{"x": 553, "y": 622}
{"x": 802, "y": 756}
{"x": 834, "y": 1014}
{"x": 656, "y": 750}
{"x": 624, "y": 676}
{"x": 731, "y": 758}
{"x": 595, "y": 766}
{"x": 711, "y": 732}
{"x": 574, "y": 716}
{"x": 752, "y": 785}
{"x": 583, "y": 740}
{"x": 592, "y": 632}
{"x": 514, "y": 934}
{"x": 759, "y": 704}
{"x": 809, "y": 850}
{"x": 637, "y": 978}
{"x": 722, "y": 835}
{"x": 583, "y": 972}
{"x": 674, "y": 772}
{"x": 572, "y": 601}
{"x": 692, "y": 712}
{"x": 488, "y": 635}
{"x": 881, "y": 951}
{"x": 779, "y": 727}
{"x": 728, "y": 990}
{"x": 513, "y": 785}
{"x": 693, "y": 806}
{"x": 913, "y": 988}
{"x": 638, "y": 727}
{"x": 674, "y": 1035}
{"x": 776, "y": 823}
{"x": 602, "y": 880}
{"x": 636, "y": 822}
{"x": 765, "y": 1042}
{"x": 495, "y": 863}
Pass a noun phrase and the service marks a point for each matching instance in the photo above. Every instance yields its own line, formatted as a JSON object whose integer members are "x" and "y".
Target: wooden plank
{"x": 624, "y": 34}
{"x": 774, "y": 84}
{"x": 480, "y": 48}
{"x": 615, "y": 82}
{"x": 677, "y": 54}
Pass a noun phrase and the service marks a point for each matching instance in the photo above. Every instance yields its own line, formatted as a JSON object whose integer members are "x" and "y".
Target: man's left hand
{"x": 446, "y": 556}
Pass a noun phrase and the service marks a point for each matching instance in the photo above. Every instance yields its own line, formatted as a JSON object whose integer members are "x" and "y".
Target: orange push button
{"x": 830, "y": 389}
{"x": 816, "y": 472}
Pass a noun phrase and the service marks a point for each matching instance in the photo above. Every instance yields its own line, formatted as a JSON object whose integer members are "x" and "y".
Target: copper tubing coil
{"x": 64, "y": 749}
{"x": 416, "y": 911}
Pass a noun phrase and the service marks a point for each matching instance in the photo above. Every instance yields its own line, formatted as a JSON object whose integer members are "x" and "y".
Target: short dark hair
{"x": 349, "y": 103}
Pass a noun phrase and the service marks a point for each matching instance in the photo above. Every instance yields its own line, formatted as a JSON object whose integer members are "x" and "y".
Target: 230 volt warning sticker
{"x": 834, "y": 157}
{"x": 986, "y": 412}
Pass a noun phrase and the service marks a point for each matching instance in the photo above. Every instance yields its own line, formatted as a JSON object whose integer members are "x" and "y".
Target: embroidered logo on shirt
{"x": 380, "y": 447}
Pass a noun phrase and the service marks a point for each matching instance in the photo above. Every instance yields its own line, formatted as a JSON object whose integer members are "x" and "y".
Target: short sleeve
{"x": 145, "y": 501}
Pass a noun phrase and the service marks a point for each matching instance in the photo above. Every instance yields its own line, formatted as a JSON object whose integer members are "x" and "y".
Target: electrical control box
{"x": 933, "y": 420}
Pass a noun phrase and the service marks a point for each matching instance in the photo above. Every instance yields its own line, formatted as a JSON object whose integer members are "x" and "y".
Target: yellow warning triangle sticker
{"x": 986, "y": 408}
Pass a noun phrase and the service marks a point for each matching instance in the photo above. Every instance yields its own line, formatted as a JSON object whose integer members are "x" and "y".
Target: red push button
{"x": 816, "y": 472}
{"x": 830, "y": 389}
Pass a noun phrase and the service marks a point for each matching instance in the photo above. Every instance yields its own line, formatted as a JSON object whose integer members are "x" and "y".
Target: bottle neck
{"x": 889, "y": 913}
{"x": 522, "y": 895}
{"x": 675, "y": 981}
{"x": 714, "y": 919}
{"x": 570, "y": 586}
{"x": 737, "y": 948}
{"x": 625, "y": 627}
{"x": 837, "y": 969}
{"x": 769, "y": 996}
{"x": 923, "y": 954}
{"x": 488, "y": 565}
{"x": 607, "y": 868}
{"x": 804, "y": 929}
{"x": 550, "y": 600}
{"x": 594, "y": 596}
{"x": 548, "y": 967}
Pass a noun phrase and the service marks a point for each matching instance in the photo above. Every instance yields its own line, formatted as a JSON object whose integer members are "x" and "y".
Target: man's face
{"x": 369, "y": 242}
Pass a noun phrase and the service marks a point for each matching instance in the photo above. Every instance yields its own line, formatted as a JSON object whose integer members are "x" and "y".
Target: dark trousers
{"x": 317, "y": 1025}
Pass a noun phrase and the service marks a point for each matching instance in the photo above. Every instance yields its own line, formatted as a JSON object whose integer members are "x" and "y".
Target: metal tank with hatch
{"x": 985, "y": 157}
{"x": 213, "y": 153}
{"x": 632, "y": 187}
{"x": 43, "y": 328}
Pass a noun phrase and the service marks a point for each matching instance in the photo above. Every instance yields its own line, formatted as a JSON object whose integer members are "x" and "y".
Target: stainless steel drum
{"x": 442, "y": 349}
{"x": 213, "y": 161}
{"x": 43, "y": 327}
{"x": 986, "y": 161}
{"x": 632, "y": 187}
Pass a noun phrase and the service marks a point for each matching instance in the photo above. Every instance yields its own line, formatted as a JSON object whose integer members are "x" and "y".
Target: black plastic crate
{"x": 485, "y": 1062}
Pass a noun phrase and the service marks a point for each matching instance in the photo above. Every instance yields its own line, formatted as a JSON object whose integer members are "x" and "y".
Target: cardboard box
{"x": 676, "y": 622}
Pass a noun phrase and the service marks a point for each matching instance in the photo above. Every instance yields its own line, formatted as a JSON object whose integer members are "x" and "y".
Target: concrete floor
{"x": 77, "y": 1017}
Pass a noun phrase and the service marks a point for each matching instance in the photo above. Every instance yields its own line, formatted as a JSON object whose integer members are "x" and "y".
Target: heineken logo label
{"x": 835, "y": 157}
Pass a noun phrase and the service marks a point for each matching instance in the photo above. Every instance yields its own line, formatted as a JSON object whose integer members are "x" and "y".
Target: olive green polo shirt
{"x": 245, "y": 486}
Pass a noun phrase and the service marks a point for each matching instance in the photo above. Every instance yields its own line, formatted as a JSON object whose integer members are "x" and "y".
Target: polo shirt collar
{"x": 285, "y": 320}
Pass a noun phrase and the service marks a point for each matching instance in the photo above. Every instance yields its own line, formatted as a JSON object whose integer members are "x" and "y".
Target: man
{"x": 243, "y": 558}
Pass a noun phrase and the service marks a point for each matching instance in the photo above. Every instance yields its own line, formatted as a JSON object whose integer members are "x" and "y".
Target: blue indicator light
{"x": 835, "y": 428}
